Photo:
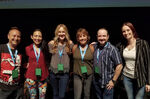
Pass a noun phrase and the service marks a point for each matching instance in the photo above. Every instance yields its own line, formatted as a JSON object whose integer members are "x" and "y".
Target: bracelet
{"x": 114, "y": 81}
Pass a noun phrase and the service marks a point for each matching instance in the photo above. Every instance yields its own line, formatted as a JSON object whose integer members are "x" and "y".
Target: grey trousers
{"x": 82, "y": 85}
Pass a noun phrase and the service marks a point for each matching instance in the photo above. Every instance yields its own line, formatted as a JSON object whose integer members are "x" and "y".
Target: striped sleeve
{"x": 146, "y": 55}
{"x": 116, "y": 57}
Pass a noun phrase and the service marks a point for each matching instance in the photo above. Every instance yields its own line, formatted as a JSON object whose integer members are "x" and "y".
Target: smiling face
{"x": 61, "y": 34}
{"x": 102, "y": 36}
{"x": 127, "y": 32}
{"x": 83, "y": 39}
{"x": 82, "y": 36}
{"x": 37, "y": 37}
{"x": 14, "y": 37}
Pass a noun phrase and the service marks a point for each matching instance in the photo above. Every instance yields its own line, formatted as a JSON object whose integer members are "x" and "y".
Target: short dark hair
{"x": 14, "y": 28}
{"x": 36, "y": 30}
{"x": 103, "y": 29}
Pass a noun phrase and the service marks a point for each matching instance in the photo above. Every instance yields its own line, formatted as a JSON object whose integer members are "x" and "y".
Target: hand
{"x": 110, "y": 85}
{"x": 27, "y": 65}
{"x": 93, "y": 43}
{"x": 147, "y": 88}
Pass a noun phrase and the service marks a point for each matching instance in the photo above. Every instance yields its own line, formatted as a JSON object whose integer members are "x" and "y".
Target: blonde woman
{"x": 60, "y": 48}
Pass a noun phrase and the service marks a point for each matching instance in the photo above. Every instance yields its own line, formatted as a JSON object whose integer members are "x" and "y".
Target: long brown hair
{"x": 130, "y": 25}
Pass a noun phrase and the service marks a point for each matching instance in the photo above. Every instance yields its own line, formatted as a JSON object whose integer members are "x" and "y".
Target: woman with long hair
{"x": 60, "y": 48}
{"x": 136, "y": 61}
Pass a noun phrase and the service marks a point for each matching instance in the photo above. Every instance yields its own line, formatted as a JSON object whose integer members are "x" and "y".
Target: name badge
{"x": 15, "y": 74}
{"x": 60, "y": 67}
{"x": 83, "y": 69}
{"x": 96, "y": 69}
{"x": 38, "y": 71}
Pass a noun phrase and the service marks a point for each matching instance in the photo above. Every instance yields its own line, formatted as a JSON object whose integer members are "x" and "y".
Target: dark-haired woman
{"x": 37, "y": 71}
{"x": 136, "y": 57}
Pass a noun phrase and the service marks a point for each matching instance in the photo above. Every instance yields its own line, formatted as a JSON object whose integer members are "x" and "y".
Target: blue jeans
{"x": 102, "y": 93}
{"x": 133, "y": 92}
{"x": 59, "y": 84}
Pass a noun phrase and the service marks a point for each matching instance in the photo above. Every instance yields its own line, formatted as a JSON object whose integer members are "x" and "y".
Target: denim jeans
{"x": 133, "y": 92}
{"x": 82, "y": 85}
{"x": 102, "y": 93}
{"x": 59, "y": 84}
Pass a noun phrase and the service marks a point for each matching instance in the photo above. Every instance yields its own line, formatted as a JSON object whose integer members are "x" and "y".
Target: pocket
{"x": 109, "y": 92}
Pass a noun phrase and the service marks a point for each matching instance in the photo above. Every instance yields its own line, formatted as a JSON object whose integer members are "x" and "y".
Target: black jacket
{"x": 142, "y": 63}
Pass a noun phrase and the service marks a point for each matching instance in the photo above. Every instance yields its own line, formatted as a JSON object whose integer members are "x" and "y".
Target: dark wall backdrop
{"x": 90, "y": 18}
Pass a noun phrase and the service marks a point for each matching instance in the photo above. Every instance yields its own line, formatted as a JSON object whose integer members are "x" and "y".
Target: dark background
{"x": 92, "y": 19}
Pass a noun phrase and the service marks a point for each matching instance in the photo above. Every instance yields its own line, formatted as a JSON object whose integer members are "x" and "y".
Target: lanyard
{"x": 13, "y": 57}
{"x": 83, "y": 53}
{"x": 37, "y": 56}
{"x": 60, "y": 53}
{"x": 99, "y": 52}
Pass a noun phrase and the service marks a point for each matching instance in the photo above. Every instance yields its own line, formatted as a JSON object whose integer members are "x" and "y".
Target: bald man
{"x": 10, "y": 65}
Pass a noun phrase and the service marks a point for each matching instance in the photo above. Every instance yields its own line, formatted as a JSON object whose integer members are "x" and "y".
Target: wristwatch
{"x": 114, "y": 81}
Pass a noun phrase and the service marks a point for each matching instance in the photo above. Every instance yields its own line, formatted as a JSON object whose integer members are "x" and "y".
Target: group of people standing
{"x": 100, "y": 63}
